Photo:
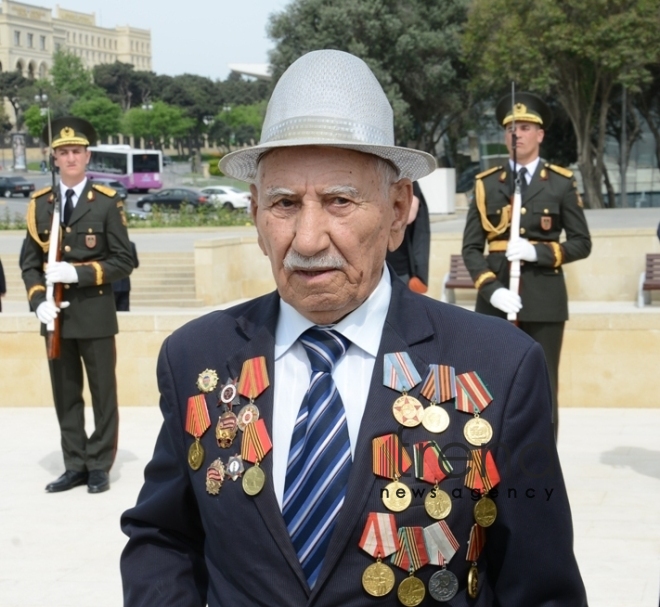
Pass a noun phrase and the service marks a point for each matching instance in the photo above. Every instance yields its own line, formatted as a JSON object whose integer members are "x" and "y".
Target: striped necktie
{"x": 320, "y": 455}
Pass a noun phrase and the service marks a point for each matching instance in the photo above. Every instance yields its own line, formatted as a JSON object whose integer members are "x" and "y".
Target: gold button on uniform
{"x": 67, "y": 248}
{"x": 100, "y": 291}
{"x": 68, "y": 230}
{"x": 546, "y": 211}
{"x": 90, "y": 229}
{"x": 66, "y": 286}
{"x": 522, "y": 230}
{"x": 523, "y": 211}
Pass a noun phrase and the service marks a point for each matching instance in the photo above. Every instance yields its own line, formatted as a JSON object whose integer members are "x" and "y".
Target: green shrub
{"x": 191, "y": 217}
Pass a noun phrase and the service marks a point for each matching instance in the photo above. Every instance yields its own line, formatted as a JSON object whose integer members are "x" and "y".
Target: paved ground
{"x": 63, "y": 550}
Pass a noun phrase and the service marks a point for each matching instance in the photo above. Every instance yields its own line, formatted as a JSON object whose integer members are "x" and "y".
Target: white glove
{"x": 521, "y": 249}
{"x": 505, "y": 300}
{"x": 61, "y": 271}
{"x": 47, "y": 311}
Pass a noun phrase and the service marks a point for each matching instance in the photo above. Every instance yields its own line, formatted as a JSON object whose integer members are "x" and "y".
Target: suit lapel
{"x": 398, "y": 336}
{"x": 83, "y": 206}
{"x": 259, "y": 328}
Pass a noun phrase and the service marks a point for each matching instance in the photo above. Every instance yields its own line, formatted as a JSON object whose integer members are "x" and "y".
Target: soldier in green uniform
{"x": 551, "y": 205}
{"x": 95, "y": 251}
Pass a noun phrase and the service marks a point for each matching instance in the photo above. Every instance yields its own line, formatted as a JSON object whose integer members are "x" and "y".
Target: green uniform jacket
{"x": 96, "y": 243}
{"x": 550, "y": 205}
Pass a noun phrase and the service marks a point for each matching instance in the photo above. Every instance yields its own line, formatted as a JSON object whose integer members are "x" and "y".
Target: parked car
{"x": 167, "y": 160}
{"x": 172, "y": 197}
{"x": 228, "y": 197}
{"x": 118, "y": 186}
{"x": 11, "y": 186}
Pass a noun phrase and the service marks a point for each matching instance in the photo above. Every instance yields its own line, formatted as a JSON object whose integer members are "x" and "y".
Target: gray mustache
{"x": 324, "y": 261}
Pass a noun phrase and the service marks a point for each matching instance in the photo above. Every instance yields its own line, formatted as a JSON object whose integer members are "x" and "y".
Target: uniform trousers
{"x": 96, "y": 452}
{"x": 550, "y": 335}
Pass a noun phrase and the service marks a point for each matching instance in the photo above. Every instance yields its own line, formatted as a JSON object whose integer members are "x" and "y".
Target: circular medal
{"x": 215, "y": 475}
{"x": 247, "y": 415}
{"x": 408, "y": 411}
{"x": 473, "y": 582}
{"x": 411, "y": 591}
{"x": 435, "y": 419}
{"x": 478, "y": 431}
{"x": 443, "y": 585}
{"x": 254, "y": 480}
{"x": 207, "y": 380}
{"x": 437, "y": 504}
{"x": 378, "y": 579}
{"x": 228, "y": 394}
{"x": 396, "y": 496}
{"x": 196, "y": 455}
{"x": 485, "y": 512}
{"x": 226, "y": 429}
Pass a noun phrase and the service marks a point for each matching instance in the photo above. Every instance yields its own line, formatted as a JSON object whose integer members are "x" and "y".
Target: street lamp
{"x": 148, "y": 107}
{"x": 41, "y": 99}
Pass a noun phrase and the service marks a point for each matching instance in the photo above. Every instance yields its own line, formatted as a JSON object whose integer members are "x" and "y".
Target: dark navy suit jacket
{"x": 188, "y": 548}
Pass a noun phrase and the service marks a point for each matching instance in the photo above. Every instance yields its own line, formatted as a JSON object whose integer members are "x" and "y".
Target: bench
{"x": 649, "y": 280}
{"x": 458, "y": 277}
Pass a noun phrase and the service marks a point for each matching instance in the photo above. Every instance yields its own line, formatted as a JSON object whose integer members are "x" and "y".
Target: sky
{"x": 189, "y": 36}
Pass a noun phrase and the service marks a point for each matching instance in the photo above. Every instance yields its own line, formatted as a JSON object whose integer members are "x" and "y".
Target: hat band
{"x": 326, "y": 129}
{"x": 70, "y": 141}
{"x": 523, "y": 118}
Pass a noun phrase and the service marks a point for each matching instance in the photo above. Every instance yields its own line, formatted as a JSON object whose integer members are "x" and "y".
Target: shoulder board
{"x": 488, "y": 172}
{"x": 560, "y": 170}
{"x": 104, "y": 190}
{"x": 42, "y": 191}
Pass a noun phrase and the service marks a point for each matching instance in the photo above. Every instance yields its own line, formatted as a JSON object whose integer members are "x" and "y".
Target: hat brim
{"x": 411, "y": 164}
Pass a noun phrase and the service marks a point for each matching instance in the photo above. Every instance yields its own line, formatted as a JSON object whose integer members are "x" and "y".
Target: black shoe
{"x": 69, "y": 480}
{"x": 98, "y": 482}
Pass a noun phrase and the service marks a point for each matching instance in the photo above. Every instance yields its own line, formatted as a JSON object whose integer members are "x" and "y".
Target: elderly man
{"x": 283, "y": 474}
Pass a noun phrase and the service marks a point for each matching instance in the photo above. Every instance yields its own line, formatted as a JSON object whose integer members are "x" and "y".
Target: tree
{"x": 70, "y": 75}
{"x": 239, "y": 125}
{"x": 413, "y": 48}
{"x": 577, "y": 49}
{"x": 123, "y": 84}
{"x": 11, "y": 86}
{"x": 103, "y": 114}
{"x": 647, "y": 102}
{"x": 161, "y": 123}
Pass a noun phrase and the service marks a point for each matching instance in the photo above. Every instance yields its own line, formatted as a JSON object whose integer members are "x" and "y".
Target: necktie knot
{"x": 324, "y": 348}
{"x": 69, "y": 194}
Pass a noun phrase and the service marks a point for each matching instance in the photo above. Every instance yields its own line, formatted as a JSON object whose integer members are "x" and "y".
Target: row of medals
{"x": 378, "y": 579}
{"x": 254, "y": 479}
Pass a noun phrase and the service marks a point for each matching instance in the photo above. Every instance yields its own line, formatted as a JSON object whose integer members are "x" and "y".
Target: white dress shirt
{"x": 77, "y": 191}
{"x": 352, "y": 374}
{"x": 531, "y": 168}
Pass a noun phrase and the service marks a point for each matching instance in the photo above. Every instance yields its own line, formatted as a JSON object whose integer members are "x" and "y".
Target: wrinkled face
{"x": 72, "y": 161}
{"x": 325, "y": 218}
{"x": 528, "y": 141}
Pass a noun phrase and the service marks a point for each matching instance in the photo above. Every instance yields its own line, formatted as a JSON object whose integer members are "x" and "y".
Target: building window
{"x": 17, "y": 38}
{"x": 42, "y": 43}
{"x": 30, "y": 40}
{"x": 58, "y": 46}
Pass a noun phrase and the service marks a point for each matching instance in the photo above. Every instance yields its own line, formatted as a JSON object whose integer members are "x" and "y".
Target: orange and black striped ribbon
{"x": 440, "y": 384}
{"x": 197, "y": 416}
{"x": 475, "y": 543}
{"x": 482, "y": 476}
{"x": 390, "y": 458}
{"x": 254, "y": 377}
{"x": 412, "y": 554}
{"x": 256, "y": 442}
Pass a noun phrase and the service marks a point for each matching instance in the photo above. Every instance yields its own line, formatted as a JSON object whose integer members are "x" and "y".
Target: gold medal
{"x": 473, "y": 582}
{"x": 435, "y": 419}
{"x": 196, "y": 455}
{"x": 411, "y": 591}
{"x": 437, "y": 504}
{"x": 378, "y": 579}
{"x": 396, "y": 496}
{"x": 408, "y": 411}
{"x": 247, "y": 415}
{"x": 226, "y": 430}
{"x": 215, "y": 475}
{"x": 478, "y": 431}
{"x": 207, "y": 380}
{"x": 254, "y": 480}
{"x": 485, "y": 512}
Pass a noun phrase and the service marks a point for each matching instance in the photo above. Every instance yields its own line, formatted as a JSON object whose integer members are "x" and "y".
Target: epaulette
{"x": 104, "y": 190}
{"x": 488, "y": 172}
{"x": 560, "y": 170}
{"x": 42, "y": 191}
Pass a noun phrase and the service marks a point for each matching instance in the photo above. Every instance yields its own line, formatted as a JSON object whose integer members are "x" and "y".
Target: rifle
{"x": 54, "y": 292}
{"x": 516, "y": 205}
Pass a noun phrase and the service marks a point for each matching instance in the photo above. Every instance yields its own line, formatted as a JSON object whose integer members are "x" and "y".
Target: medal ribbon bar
{"x": 475, "y": 543}
{"x": 197, "y": 416}
{"x": 440, "y": 384}
{"x": 441, "y": 544}
{"x": 472, "y": 396}
{"x": 386, "y": 451}
{"x": 380, "y": 537}
{"x": 254, "y": 378}
{"x": 412, "y": 553}
{"x": 399, "y": 373}
{"x": 427, "y": 466}
{"x": 256, "y": 442}
{"x": 479, "y": 476}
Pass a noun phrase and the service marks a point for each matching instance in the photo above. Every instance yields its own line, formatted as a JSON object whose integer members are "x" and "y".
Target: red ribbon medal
{"x": 379, "y": 539}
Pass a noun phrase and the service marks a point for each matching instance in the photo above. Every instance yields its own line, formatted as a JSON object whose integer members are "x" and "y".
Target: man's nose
{"x": 312, "y": 229}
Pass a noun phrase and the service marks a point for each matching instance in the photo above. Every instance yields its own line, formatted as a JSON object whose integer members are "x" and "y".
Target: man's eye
{"x": 284, "y": 203}
{"x": 341, "y": 201}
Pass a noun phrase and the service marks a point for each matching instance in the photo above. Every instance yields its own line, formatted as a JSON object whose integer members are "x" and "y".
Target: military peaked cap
{"x": 69, "y": 131}
{"x": 526, "y": 108}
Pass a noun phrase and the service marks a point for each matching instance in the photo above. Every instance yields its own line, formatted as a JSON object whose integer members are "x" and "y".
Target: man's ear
{"x": 254, "y": 195}
{"x": 401, "y": 194}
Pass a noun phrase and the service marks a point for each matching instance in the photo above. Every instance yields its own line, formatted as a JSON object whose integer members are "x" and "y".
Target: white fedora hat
{"x": 329, "y": 98}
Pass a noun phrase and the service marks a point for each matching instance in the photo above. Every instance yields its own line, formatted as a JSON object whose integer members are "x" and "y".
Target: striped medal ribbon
{"x": 255, "y": 446}
{"x": 472, "y": 396}
{"x": 391, "y": 460}
{"x": 379, "y": 539}
{"x": 482, "y": 476}
{"x": 254, "y": 378}
{"x": 432, "y": 466}
{"x": 441, "y": 544}
{"x": 400, "y": 374}
{"x": 411, "y": 556}
{"x": 475, "y": 546}
{"x": 438, "y": 387}
{"x": 197, "y": 422}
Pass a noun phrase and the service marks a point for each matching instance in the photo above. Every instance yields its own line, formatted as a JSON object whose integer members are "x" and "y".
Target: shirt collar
{"x": 363, "y": 327}
{"x": 531, "y": 167}
{"x": 76, "y": 189}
